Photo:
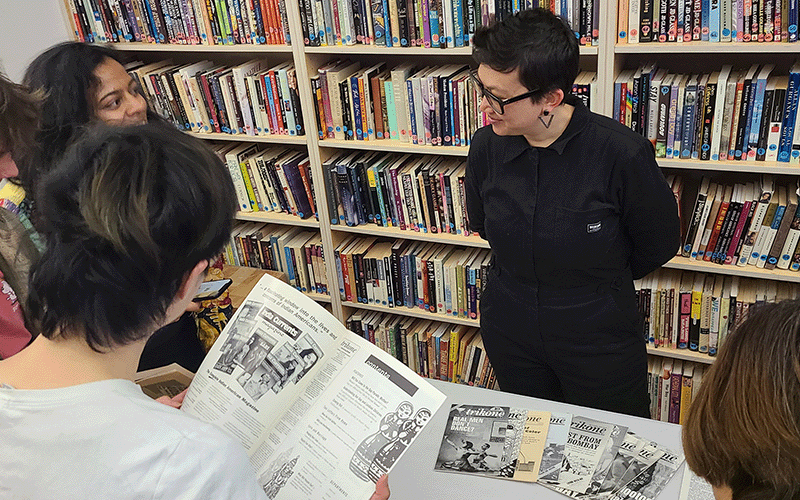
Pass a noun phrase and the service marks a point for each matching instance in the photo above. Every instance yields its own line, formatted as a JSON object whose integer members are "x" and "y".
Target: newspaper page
{"x": 649, "y": 483}
{"x": 534, "y": 437}
{"x": 694, "y": 487}
{"x": 586, "y": 443}
{"x": 321, "y": 412}
{"x": 482, "y": 440}
{"x": 553, "y": 454}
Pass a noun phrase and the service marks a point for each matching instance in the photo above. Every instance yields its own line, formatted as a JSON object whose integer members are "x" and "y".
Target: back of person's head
{"x": 128, "y": 213}
{"x": 536, "y": 41}
{"x": 65, "y": 73}
{"x": 743, "y": 429}
{"x": 19, "y": 117}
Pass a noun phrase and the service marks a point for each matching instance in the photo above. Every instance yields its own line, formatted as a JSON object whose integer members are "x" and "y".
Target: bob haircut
{"x": 743, "y": 431}
{"x": 65, "y": 75}
{"x": 19, "y": 117}
{"x": 127, "y": 213}
{"x": 536, "y": 41}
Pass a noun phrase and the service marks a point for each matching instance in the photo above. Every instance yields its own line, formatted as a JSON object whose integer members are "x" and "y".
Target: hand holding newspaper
{"x": 321, "y": 412}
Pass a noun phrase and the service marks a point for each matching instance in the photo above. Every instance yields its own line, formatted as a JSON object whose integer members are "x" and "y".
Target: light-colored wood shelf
{"x": 747, "y": 271}
{"x": 270, "y": 139}
{"x": 396, "y": 146}
{"x": 360, "y": 49}
{"x": 319, "y": 297}
{"x": 278, "y": 218}
{"x": 414, "y": 312}
{"x": 393, "y": 232}
{"x": 708, "y": 48}
{"x": 176, "y": 47}
{"x": 757, "y": 167}
{"x": 684, "y": 354}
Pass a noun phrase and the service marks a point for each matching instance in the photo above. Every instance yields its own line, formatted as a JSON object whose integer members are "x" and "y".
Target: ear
{"x": 191, "y": 280}
{"x": 553, "y": 99}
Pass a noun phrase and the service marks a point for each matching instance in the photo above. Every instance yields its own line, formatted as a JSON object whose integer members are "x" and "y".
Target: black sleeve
{"x": 649, "y": 211}
{"x": 476, "y": 169}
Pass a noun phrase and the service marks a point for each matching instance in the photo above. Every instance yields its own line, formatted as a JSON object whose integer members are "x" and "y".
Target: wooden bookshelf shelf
{"x": 407, "y": 51}
{"x": 684, "y": 354}
{"x": 746, "y": 272}
{"x": 176, "y": 47}
{"x": 393, "y": 232}
{"x": 278, "y": 218}
{"x": 396, "y": 146}
{"x": 708, "y": 48}
{"x": 270, "y": 139}
{"x": 756, "y": 167}
{"x": 319, "y": 297}
{"x": 415, "y": 313}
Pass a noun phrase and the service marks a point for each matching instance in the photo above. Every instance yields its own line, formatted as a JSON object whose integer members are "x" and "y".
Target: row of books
{"x": 672, "y": 385}
{"x": 641, "y": 21}
{"x": 748, "y": 114}
{"x": 431, "y": 105}
{"x": 422, "y": 194}
{"x": 697, "y": 311}
{"x": 427, "y": 23}
{"x": 288, "y": 249}
{"x": 755, "y": 224}
{"x": 207, "y": 22}
{"x": 271, "y": 180}
{"x": 433, "y": 349}
{"x": 441, "y": 279}
{"x": 251, "y": 98}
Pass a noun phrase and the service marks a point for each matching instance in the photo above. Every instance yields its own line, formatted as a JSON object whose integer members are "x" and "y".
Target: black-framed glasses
{"x": 497, "y": 104}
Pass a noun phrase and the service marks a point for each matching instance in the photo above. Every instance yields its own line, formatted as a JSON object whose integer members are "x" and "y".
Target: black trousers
{"x": 175, "y": 343}
{"x": 579, "y": 346}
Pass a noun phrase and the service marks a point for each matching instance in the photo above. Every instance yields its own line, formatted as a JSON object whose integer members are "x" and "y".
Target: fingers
{"x": 381, "y": 489}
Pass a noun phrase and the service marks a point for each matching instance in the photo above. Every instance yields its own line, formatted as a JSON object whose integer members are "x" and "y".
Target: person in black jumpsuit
{"x": 574, "y": 208}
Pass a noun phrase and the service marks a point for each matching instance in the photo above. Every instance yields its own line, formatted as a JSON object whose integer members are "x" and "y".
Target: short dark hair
{"x": 127, "y": 213}
{"x": 19, "y": 117}
{"x": 539, "y": 43}
{"x": 743, "y": 429}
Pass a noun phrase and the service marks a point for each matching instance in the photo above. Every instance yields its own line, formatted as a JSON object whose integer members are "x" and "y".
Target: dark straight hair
{"x": 539, "y": 43}
{"x": 127, "y": 214}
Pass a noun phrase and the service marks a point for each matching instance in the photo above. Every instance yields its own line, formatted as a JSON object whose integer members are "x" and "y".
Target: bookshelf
{"x": 607, "y": 59}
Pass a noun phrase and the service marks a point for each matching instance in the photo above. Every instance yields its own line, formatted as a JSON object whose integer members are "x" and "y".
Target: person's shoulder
{"x": 620, "y": 136}
{"x": 483, "y": 138}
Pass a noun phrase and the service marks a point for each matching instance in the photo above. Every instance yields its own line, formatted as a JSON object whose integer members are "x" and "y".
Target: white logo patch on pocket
{"x": 594, "y": 227}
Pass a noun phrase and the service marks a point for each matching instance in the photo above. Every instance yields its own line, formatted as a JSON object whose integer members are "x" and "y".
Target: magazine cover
{"x": 534, "y": 437}
{"x": 483, "y": 440}
{"x": 649, "y": 483}
{"x": 553, "y": 454}
{"x": 647, "y": 455}
{"x": 586, "y": 443}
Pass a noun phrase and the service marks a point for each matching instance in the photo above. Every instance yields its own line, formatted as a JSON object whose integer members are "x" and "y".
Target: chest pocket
{"x": 583, "y": 238}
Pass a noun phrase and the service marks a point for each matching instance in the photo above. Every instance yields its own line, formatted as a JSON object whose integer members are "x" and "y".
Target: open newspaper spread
{"x": 321, "y": 412}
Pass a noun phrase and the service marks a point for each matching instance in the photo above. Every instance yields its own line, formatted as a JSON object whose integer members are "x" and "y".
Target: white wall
{"x": 27, "y": 27}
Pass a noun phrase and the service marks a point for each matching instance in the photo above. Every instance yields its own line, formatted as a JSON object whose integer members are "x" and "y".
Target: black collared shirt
{"x": 591, "y": 207}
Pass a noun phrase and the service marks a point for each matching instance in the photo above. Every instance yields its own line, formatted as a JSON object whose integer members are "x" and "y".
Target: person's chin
{"x": 498, "y": 127}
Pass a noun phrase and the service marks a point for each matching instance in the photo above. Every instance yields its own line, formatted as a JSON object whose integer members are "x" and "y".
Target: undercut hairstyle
{"x": 539, "y": 43}
{"x": 127, "y": 214}
{"x": 19, "y": 117}
{"x": 743, "y": 430}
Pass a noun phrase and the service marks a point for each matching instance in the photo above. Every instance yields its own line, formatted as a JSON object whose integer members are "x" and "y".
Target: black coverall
{"x": 570, "y": 227}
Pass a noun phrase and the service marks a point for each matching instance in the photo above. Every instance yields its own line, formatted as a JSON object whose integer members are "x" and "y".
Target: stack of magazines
{"x": 573, "y": 455}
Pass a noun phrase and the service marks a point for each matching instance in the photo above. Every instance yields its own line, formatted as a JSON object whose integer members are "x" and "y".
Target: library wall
{"x": 26, "y": 29}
